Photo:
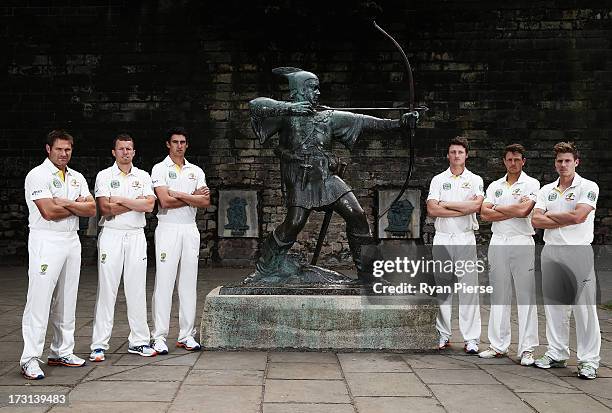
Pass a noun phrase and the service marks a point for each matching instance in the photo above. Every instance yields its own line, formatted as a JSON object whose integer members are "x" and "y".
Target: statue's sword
{"x": 326, "y": 221}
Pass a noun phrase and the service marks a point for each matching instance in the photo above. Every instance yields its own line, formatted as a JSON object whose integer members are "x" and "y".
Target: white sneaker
{"x": 471, "y": 347}
{"x": 144, "y": 350}
{"x": 97, "y": 355}
{"x": 67, "y": 361}
{"x": 443, "y": 343}
{"x": 159, "y": 345}
{"x": 527, "y": 358}
{"x": 490, "y": 354}
{"x": 31, "y": 370}
{"x": 587, "y": 371}
{"x": 189, "y": 344}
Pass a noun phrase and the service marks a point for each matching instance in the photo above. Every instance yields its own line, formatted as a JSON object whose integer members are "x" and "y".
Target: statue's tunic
{"x": 308, "y": 167}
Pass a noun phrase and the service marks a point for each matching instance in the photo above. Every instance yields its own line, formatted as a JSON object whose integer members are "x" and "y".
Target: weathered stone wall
{"x": 534, "y": 72}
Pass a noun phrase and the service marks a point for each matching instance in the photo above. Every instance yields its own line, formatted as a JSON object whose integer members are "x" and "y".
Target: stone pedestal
{"x": 316, "y": 322}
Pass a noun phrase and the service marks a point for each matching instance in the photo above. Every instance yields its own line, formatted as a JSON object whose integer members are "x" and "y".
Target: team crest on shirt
{"x": 592, "y": 196}
{"x": 115, "y": 184}
{"x": 446, "y": 186}
{"x": 499, "y": 193}
{"x": 43, "y": 269}
{"x": 172, "y": 175}
{"x": 162, "y": 257}
{"x": 57, "y": 183}
{"x": 552, "y": 196}
{"x": 191, "y": 175}
{"x": 136, "y": 184}
{"x": 570, "y": 197}
{"x": 466, "y": 185}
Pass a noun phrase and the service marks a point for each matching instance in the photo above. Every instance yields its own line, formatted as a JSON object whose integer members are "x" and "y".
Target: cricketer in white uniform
{"x": 565, "y": 209}
{"x": 508, "y": 204}
{"x": 124, "y": 193}
{"x": 56, "y": 196}
{"x": 181, "y": 189}
{"x": 454, "y": 197}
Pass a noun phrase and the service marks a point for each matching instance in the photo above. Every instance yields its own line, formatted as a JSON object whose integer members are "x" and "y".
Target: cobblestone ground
{"x": 271, "y": 382}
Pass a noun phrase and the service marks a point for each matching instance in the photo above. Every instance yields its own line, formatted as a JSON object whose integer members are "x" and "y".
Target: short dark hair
{"x": 461, "y": 141}
{"x": 123, "y": 136}
{"x": 59, "y": 134}
{"x": 515, "y": 147}
{"x": 177, "y": 130}
{"x": 566, "y": 147}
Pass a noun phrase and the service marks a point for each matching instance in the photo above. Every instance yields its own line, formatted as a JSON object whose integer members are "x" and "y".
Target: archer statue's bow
{"x": 411, "y": 134}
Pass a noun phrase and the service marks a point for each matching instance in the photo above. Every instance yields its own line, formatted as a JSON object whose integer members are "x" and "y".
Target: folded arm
{"x": 199, "y": 199}
{"x": 470, "y": 206}
{"x": 140, "y": 204}
{"x": 577, "y": 216}
{"x": 435, "y": 209}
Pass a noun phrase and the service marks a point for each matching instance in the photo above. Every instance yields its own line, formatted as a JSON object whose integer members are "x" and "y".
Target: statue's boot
{"x": 273, "y": 264}
{"x": 364, "y": 272}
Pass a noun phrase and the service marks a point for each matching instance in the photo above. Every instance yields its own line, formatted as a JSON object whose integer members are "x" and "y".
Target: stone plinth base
{"x": 315, "y": 322}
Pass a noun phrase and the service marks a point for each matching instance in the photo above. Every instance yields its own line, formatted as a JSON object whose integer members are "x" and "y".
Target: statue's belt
{"x": 309, "y": 159}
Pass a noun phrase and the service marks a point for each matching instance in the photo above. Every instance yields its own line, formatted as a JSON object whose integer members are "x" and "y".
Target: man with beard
{"x": 56, "y": 197}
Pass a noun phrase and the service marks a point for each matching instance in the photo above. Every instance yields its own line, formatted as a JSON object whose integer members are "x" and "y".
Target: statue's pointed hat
{"x": 296, "y": 76}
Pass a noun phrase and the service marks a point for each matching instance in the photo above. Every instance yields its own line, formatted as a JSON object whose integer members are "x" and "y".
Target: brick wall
{"x": 534, "y": 72}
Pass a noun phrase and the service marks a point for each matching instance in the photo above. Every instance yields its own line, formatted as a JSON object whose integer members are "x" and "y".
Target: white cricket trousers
{"x": 511, "y": 258}
{"x": 569, "y": 285}
{"x": 54, "y": 266}
{"x": 121, "y": 251}
{"x": 459, "y": 247}
{"x": 177, "y": 247}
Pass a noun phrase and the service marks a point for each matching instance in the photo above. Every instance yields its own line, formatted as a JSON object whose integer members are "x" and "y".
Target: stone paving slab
{"x": 225, "y": 378}
{"x": 398, "y": 405}
{"x": 454, "y": 376}
{"x": 373, "y": 362}
{"x": 483, "y": 399}
{"x": 228, "y": 360}
{"x": 307, "y": 408}
{"x": 303, "y": 357}
{"x": 563, "y": 403}
{"x": 323, "y": 371}
{"x": 437, "y": 361}
{"x": 385, "y": 384}
{"x": 306, "y": 391}
{"x": 150, "y": 373}
{"x": 124, "y": 391}
{"x": 114, "y": 407}
{"x": 529, "y": 379}
{"x": 226, "y": 399}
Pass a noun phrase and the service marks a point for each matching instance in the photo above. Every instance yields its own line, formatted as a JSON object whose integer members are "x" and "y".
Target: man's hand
{"x": 203, "y": 190}
{"x": 63, "y": 202}
{"x": 410, "y": 119}
{"x": 116, "y": 199}
{"x": 301, "y": 109}
{"x": 175, "y": 194}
